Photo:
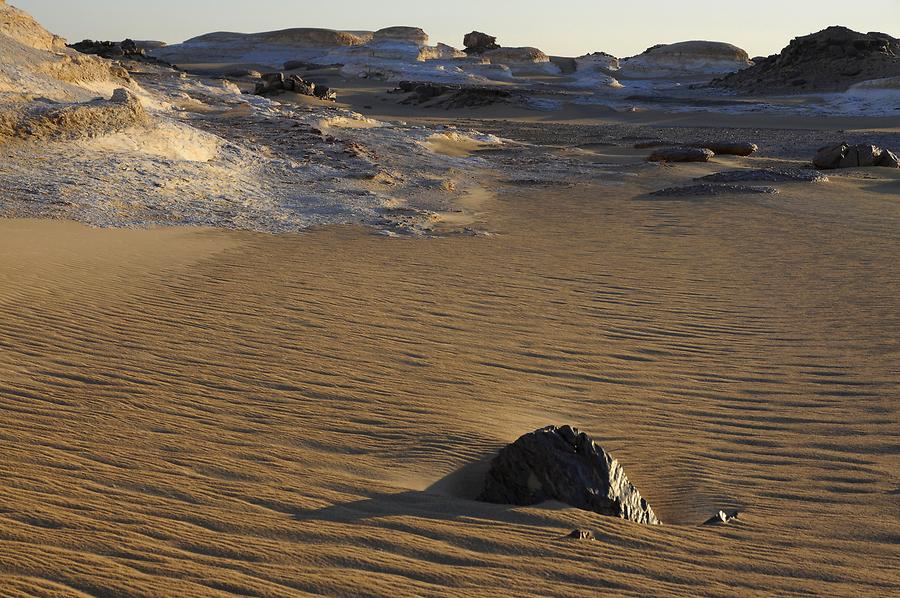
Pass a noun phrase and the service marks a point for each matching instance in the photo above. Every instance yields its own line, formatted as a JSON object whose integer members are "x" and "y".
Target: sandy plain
{"x": 198, "y": 412}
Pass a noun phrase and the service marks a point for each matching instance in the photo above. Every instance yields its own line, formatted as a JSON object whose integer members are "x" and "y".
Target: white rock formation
{"x": 686, "y": 59}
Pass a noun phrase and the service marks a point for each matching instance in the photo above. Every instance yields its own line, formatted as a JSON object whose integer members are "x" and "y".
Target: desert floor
{"x": 189, "y": 412}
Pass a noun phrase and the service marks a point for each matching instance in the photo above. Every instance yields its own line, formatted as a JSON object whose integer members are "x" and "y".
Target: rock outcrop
{"x": 514, "y": 56}
{"x": 831, "y": 60}
{"x": 563, "y": 464}
{"x": 412, "y": 35}
{"x": 692, "y": 59}
{"x": 843, "y": 155}
{"x": 479, "y": 43}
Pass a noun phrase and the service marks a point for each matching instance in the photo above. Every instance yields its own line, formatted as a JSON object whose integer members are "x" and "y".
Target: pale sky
{"x": 563, "y": 27}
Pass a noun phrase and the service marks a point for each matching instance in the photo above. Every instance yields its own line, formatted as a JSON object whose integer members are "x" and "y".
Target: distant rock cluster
{"x": 127, "y": 49}
{"x": 275, "y": 83}
{"x": 831, "y": 60}
{"x": 566, "y": 465}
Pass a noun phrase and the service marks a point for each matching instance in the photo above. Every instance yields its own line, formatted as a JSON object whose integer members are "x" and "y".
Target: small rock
{"x": 682, "y": 154}
{"x": 722, "y": 518}
{"x": 582, "y": 534}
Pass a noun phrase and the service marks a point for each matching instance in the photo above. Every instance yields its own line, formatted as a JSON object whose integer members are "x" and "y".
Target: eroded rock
{"x": 564, "y": 464}
{"x": 479, "y": 43}
{"x": 582, "y": 534}
{"x": 844, "y": 155}
{"x": 682, "y": 154}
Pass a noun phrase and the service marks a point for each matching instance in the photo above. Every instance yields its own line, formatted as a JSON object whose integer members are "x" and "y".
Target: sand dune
{"x": 197, "y": 412}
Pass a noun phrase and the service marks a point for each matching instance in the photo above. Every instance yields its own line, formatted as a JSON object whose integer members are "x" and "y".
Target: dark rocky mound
{"x": 830, "y": 60}
{"x": 770, "y": 175}
{"x": 479, "y": 43}
{"x": 275, "y": 83}
{"x": 451, "y": 96}
{"x": 709, "y": 190}
{"x": 124, "y": 50}
{"x": 563, "y": 464}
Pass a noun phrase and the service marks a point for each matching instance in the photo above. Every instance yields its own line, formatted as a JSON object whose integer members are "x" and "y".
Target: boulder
{"x": 889, "y": 159}
{"x": 582, "y": 534}
{"x": 682, "y": 154}
{"x": 844, "y": 155}
{"x": 729, "y": 148}
{"x": 598, "y": 61}
{"x": 563, "y": 464}
{"x": 479, "y": 43}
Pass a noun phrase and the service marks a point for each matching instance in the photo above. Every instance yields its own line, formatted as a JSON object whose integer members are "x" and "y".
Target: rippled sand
{"x": 196, "y": 412}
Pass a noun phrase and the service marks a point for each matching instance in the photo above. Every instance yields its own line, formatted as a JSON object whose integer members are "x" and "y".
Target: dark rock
{"x": 729, "y": 148}
{"x": 772, "y": 175}
{"x": 563, "y": 464}
{"x": 582, "y": 534}
{"x": 830, "y": 60}
{"x": 450, "y": 96}
{"x": 127, "y": 49}
{"x": 275, "y": 83}
{"x": 888, "y": 159}
{"x": 721, "y": 518}
{"x": 708, "y": 190}
{"x": 479, "y": 43}
{"x": 682, "y": 154}
{"x": 830, "y": 156}
{"x": 844, "y": 155}
{"x": 293, "y": 65}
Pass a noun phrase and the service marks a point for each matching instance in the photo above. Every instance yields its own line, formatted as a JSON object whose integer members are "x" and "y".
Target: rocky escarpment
{"x": 564, "y": 464}
{"x": 831, "y": 60}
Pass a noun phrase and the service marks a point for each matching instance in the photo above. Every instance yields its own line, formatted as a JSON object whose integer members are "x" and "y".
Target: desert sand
{"x": 202, "y": 412}
{"x": 268, "y": 347}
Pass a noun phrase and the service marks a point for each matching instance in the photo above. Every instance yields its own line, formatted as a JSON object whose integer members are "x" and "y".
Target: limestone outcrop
{"x": 566, "y": 465}
{"x": 700, "y": 59}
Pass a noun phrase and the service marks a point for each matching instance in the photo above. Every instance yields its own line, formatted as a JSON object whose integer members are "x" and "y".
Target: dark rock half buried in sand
{"x": 563, "y": 464}
{"x": 768, "y": 175}
{"x": 708, "y": 190}
{"x": 682, "y": 154}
